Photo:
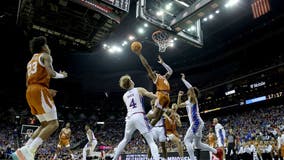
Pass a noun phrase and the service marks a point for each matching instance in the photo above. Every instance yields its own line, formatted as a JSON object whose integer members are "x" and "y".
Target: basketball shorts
{"x": 41, "y": 103}
{"x": 137, "y": 121}
{"x": 171, "y": 135}
{"x": 63, "y": 143}
{"x": 163, "y": 100}
{"x": 159, "y": 134}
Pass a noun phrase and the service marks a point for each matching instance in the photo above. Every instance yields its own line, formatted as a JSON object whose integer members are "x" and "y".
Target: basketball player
{"x": 136, "y": 118}
{"x": 220, "y": 134}
{"x": 194, "y": 133}
{"x": 64, "y": 140}
{"x": 159, "y": 133}
{"x": 92, "y": 142}
{"x": 162, "y": 87}
{"x": 211, "y": 138}
{"x": 40, "y": 97}
{"x": 171, "y": 123}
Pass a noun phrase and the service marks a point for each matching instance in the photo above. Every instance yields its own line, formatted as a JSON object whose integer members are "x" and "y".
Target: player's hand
{"x": 180, "y": 93}
{"x": 182, "y": 76}
{"x": 65, "y": 74}
{"x": 52, "y": 92}
{"x": 160, "y": 59}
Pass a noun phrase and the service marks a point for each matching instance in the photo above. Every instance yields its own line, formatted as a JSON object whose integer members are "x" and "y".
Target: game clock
{"x": 121, "y": 4}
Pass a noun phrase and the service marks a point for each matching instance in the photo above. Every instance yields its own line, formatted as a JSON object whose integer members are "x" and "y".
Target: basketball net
{"x": 162, "y": 39}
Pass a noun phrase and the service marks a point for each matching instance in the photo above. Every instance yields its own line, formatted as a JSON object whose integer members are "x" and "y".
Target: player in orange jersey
{"x": 171, "y": 122}
{"x": 64, "y": 141}
{"x": 40, "y": 97}
{"x": 162, "y": 88}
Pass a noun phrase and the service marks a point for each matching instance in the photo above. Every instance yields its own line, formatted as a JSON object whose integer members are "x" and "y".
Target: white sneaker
{"x": 29, "y": 155}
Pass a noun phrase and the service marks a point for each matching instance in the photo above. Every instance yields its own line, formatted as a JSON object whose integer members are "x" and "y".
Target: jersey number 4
{"x": 132, "y": 104}
{"x": 32, "y": 68}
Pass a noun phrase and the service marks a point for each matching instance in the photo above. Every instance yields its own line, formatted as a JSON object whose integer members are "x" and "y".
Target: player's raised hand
{"x": 160, "y": 59}
{"x": 182, "y": 76}
{"x": 65, "y": 74}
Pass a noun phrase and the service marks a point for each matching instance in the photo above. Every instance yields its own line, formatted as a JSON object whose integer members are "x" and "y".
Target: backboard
{"x": 178, "y": 17}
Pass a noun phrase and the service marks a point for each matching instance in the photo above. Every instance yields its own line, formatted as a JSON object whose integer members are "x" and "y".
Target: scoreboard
{"x": 121, "y": 4}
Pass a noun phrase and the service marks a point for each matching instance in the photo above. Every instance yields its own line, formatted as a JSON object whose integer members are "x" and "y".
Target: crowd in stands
{"x": 256, "y": 132}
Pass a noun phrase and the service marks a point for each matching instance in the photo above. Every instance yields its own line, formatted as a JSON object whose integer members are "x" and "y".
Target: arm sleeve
{"x": 186, "y": 83}
{"x": 168, "y": 68}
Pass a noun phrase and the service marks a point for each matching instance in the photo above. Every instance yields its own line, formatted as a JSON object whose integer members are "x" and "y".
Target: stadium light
{"x": 169, "y": 6}
{"x": 171, "y": 44}
{"x": 211, "y": 16}
{"x": 104, "y": 46}
{"x": 175, "y": 39}
{"x": 124, "y": 43}
{"x": 131, "y": 38}
{"x": 193, "y": 28}
{"x": 160, "y": 13}
{"x": 231, "y": 3}
{"x": 205, "y": 19}
{"x": 141, "y": 30}
{"x": 115, "y": 49}
{"x": 146, "y": 25}
{"x": 217, "y": 11}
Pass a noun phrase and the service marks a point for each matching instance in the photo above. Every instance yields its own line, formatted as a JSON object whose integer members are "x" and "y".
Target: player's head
{"x": 193, "y": 91}
{"x": 215, "y": 121}
{"x": 125, "y": 82}
{"x": 231, "y": 131}
{"x": 39, "y": 45}
{"x": 67, "y": 125}
{"x": 87, "y": 127}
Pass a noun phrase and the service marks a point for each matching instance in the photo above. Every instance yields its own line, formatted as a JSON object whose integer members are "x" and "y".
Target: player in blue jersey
{"x": 194, "y": 133}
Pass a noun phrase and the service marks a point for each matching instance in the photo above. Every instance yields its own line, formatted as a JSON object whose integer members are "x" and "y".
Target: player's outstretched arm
{"x": 46, "y": 59}
{"x": 179, "y": 103}
{"x": 186, "y": 83}
{"x": 145, "y": 63}
{"x": 178, "y": 122}
{"x": 167, "y": 67}
{"x": 144, "y": 92}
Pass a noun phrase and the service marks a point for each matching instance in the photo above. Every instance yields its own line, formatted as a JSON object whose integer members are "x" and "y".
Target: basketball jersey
{"x": 93, "y": 136}
{"x": 171, "y": 126}
{"x": 211, "y": 138}
{"x": 193, "y": 113}
{"x": 162, "y": 83}
{"x": 133, "y": 101}
{"x": 64, "y": 134}
{"x": 220, "y": 132}
{"x": 36, "y": 72}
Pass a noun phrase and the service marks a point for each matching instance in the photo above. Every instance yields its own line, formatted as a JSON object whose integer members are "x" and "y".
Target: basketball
{"x": 136, "y": 47}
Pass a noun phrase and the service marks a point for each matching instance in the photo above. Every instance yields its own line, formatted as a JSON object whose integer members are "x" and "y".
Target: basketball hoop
{"x": 162, "y": 39}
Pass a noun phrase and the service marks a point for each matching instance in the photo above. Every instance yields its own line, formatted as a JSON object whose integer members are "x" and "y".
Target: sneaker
{"x": 28, "y": 154}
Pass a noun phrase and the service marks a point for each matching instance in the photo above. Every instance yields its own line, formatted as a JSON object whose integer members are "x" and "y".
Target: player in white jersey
{"x": 136, "y": 118}
{"x": 159, "y": 133}
{"x": 280, "y": 143}
{"x": 194, "y": 133}
{"x": 92, "y": 142}
{"x": 220, "y": 134}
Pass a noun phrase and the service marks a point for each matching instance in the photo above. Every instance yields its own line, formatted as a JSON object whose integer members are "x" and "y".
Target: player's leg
{"x": 164, "y": 150}
{"x": 203, "y": 146}
{"x": 162, "y": 140}
{"x": 142, "y": 124}
{"x": 57, "y": 151}
{"x": 85, "y": 152}
{"x": 178, "y": 143}
{"x": 188, "y": 141}
{"x": 129, "y": 130}
{"x": 47, "y": 110}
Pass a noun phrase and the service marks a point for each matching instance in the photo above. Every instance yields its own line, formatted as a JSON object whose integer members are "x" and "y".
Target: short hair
{"x": 37, "y": 43}
{"x": 125, "y": 81}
